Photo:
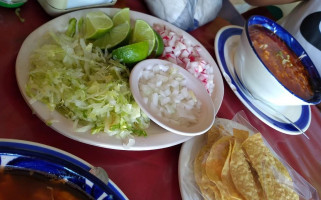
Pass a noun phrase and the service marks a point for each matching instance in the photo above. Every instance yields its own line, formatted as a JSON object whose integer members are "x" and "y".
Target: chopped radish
{"x": 182, "y": 52}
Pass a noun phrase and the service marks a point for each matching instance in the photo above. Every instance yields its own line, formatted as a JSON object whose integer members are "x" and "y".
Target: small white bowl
{"x": 259, "y": 80}
{"x": 206, "y": 112}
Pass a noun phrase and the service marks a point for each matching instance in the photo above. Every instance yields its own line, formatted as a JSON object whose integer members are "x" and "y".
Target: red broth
{"x": 282, "y": 62}
{"x": 22, "y": 184}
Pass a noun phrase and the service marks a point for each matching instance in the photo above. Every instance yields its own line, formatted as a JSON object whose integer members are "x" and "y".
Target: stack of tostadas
{"x": 240, "y": 166}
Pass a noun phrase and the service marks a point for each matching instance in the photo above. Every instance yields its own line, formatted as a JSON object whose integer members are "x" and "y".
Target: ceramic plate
{"x": 226, "y": 41}
{"x": 189, "y": 188}
{"x": 190, "y": 149}
{"x": 33, "y": 156}
{"x": 157, "y": 137}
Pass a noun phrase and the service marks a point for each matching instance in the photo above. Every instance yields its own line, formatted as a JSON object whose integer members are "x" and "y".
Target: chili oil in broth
{"x": 30, "y": 185}
{"x": 282, "y": 62}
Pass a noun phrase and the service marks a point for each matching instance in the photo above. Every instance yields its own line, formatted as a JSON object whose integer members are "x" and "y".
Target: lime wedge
{"x": 97, "y": 24}
{"x": 144, "y": 32}
{"x": 118, "y": 35}
{"x": 81, "y": 26}
{"x": 131, "y": 53}
{"x": 121, "y": 16}
{"x": 71, "y": 30}
{"x": 159, "y": 45}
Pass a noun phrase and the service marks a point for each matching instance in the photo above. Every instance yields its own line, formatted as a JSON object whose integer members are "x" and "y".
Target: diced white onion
{"x": 165, "y": 91}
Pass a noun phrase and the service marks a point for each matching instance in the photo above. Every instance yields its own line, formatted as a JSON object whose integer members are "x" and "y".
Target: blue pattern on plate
{"x": 304, "y": 119}
{"x": 31, "y": 156}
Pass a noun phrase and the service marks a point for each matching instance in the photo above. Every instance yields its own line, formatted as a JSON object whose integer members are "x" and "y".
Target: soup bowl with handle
{"x": 257, "y": 76}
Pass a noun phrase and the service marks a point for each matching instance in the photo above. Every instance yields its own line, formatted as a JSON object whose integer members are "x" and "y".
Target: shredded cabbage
{"x": 82, "y": 83}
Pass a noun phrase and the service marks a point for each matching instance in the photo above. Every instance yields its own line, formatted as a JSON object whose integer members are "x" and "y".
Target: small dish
{"x": 206, "y": 112}
{"x": 226, "y": 42}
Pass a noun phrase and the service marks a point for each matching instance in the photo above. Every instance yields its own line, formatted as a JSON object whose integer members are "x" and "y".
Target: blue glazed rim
{"x": 305, "y": 116}
{"x": 295, "y": 46}
{"x": 43, "y": 158}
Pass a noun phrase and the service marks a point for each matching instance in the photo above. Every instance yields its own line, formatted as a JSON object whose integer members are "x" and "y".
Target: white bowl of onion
{"x": 172, "y": 97}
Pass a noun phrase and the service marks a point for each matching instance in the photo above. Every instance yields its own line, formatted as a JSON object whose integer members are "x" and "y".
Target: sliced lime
{"x": 97, "y": 24}
{"x": 121, "y": 16}
{"x": 144, "y": 32}
{"x": 71, "y": 30}
{"x": 118, "y": 35}
{"x": 131, "y": 53}
{"x": 159, "y": 45}
{"x": 81, "y": 27}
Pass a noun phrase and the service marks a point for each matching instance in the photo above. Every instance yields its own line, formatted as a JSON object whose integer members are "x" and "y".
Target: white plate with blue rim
{"x": 24, "y": 157}
{"x": 225, "y": 44}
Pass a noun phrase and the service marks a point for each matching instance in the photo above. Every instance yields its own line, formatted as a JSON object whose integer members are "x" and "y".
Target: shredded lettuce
{"x": 84, "y": 84}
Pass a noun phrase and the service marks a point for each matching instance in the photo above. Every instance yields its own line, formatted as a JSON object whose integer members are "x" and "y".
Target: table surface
{"x": 139, "y": 174}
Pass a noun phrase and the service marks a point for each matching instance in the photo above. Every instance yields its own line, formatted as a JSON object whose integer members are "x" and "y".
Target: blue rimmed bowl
{"x": 30, "y": 156}
{"x": 256, "y": 77}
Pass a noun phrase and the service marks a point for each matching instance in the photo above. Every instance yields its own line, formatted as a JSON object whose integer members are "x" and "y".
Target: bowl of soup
{"x": 31, "y": 171}
{"x": 271, "y": 64}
